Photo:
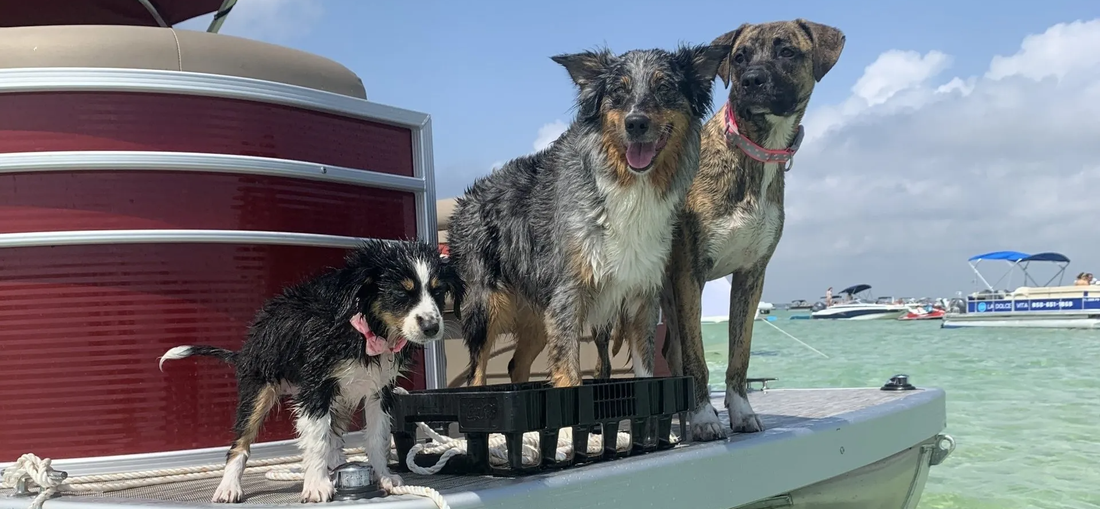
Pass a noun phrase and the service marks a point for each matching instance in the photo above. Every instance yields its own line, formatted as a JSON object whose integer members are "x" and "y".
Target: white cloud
{"x": 266, "y": 20}
{"x": 1064, "y": 47}
{"x": 895, "y": 71}
{"x": 548, "y": 133}
{"x": 897, "y": 185}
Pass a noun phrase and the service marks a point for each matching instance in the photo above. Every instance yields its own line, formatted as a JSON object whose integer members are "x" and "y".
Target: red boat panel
{"x": 56, "y": 121}
{"x": 83, "y": 327}
{"x": 119, "y": 200}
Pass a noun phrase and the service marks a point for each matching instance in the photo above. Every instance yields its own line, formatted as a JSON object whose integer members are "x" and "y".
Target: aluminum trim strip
{"x": 35, "y": 162}
{"x": 435, "y": 355}
{"x": 166, "y": 236}
{"x": 89, "y": 79}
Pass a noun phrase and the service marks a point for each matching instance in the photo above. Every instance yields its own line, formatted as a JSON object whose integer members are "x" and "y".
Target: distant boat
{"x": 917, "y": 312}
{"x": 800, "y": 304}
{"x": 857, "y": 308}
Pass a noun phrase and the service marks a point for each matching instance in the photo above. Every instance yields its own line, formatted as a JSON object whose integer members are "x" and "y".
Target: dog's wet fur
{"x": 570, "y": 239}
{"x": 302, "y": 344}
{"x": 733, "y": 217}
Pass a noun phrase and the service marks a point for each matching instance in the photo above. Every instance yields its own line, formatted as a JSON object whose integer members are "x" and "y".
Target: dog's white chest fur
{"x": 358, "y": 381}
{"x": 627, "y": 254}
{"x": 743, "y": 238}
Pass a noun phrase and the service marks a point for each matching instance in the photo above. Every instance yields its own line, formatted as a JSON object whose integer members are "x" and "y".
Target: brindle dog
{"x": 733, "y": 217}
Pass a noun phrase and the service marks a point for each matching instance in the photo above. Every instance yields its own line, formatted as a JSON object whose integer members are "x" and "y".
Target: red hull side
{"x": 41, "y": 122}
{"x": 121, "y": 200}
{"x": 83, "y": 327}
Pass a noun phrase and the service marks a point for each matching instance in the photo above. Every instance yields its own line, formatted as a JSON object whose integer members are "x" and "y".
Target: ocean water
{"x": 1022, "y": 405}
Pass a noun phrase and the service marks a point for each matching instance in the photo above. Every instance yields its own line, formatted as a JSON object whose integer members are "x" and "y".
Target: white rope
{"x": 37, "y": 470}
{"x": 498, "y": 449}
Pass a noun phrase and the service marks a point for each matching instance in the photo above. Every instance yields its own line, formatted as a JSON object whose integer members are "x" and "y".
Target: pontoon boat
{"x": 1033, "y": 305}
{"x": 159, "y": 184}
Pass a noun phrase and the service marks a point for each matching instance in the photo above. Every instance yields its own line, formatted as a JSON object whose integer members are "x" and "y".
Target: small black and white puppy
{"x": 330, "y": 343}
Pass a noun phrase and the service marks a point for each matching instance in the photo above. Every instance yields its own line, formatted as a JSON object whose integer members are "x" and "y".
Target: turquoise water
{"x": 1022, "y": 405}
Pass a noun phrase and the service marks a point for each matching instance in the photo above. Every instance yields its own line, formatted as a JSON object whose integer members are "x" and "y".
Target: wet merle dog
{"x": 575, "y": 237}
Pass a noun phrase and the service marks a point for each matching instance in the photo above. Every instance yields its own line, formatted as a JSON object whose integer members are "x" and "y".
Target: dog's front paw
{"x": 389, "y": 481}
{"x": 228, "y": 493}
{"x": 705, "y": 425}
{"x": 742, "y": 418}
{"x": 317, "y": 490}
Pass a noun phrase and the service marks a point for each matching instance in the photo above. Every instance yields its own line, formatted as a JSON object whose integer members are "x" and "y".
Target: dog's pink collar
{"x": 764, "y": 155}
{"x": 376, "y": 345}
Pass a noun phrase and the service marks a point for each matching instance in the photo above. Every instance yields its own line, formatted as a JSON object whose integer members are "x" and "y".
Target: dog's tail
{"x": 185, "y": 351}
{"x": 617, "y": 344}
{"x": 475, "y": 325}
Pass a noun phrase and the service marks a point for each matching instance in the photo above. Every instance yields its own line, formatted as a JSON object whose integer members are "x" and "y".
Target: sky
{"x": 947, "y": 129}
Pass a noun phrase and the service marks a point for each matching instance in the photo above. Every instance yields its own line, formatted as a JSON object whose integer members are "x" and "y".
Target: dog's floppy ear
{"x": 452, "y": 281}
{"x": 700, "y": 63}
{"x": 365, "y": 261}
{"x": 828, "y": 43}
{"x": 366, "y": 290}
{"x": 727, "y": 39}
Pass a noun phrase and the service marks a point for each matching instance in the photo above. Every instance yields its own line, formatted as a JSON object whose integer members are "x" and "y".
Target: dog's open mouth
{"x": 640, "y": 156}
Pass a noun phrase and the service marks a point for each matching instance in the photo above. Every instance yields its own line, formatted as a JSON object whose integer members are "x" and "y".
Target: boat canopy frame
{"x": 853, "y": 292}
{"x": 1021, "y": 261}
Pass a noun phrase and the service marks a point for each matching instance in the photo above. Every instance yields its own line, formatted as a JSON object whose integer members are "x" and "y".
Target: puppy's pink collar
{"x": 376, "y": 345}
{"x": 764, "y": 155}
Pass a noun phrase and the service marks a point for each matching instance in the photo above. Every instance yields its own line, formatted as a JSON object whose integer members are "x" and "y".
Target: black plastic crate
{"x": 514, "y": 409}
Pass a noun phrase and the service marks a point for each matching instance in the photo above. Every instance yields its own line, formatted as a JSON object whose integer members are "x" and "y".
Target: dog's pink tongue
{"x": 639, "y": 155}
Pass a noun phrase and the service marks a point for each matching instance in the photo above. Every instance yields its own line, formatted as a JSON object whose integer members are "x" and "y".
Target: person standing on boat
{"x": 829, "y": 296}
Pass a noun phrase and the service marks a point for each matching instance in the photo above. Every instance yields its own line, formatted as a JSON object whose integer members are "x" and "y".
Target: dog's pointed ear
{"x": 828, "y": 43}
{"x": 584, "y": 67}
{"x": 452, "y": 281}
{"x": 727, "y": 39}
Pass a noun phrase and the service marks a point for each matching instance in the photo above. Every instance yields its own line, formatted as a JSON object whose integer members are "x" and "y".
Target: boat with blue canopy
{"x": 1049, "y": 304}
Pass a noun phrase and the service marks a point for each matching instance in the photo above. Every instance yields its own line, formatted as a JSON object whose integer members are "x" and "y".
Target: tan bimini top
{"x": 168, "y": 49}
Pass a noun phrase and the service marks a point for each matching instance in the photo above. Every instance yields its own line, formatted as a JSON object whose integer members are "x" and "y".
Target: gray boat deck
{"x": 786, "y": 413}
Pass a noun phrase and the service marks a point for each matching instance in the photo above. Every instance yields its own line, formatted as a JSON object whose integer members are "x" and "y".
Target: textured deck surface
{"x": 777, "y": 409}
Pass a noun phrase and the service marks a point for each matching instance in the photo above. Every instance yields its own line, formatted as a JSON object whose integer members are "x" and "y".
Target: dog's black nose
{"x": 637, "y": 124}
{"x": 429, "y": 326}
{"x": 753, "y": 79}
